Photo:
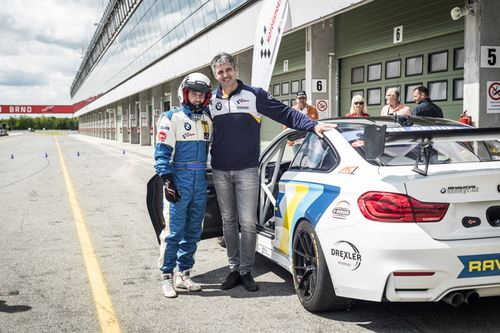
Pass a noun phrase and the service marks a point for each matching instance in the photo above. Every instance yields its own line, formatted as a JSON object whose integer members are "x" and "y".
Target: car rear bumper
{"x": 403, "y": 264}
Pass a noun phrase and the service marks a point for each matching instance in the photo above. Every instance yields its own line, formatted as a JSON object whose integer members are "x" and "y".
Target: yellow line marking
{"x": 104, "y": 307}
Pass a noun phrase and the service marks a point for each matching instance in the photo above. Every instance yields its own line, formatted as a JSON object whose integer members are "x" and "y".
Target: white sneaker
{"x": 167, "y": 286}
{"x": 183, "y": 281}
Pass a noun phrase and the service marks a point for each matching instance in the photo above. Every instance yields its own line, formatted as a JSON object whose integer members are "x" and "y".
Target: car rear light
{"x": 396, "y": 207}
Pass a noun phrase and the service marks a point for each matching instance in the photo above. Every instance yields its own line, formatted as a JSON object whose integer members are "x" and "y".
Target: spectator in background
{"x": 358, "y": 107}
{"x": 306, "y": 109}
{"x": 425, "y": 107}
{"x": 394, "y": 106}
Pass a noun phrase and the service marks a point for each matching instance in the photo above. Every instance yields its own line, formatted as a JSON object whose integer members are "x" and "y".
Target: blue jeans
{"x": 237, "y": 195}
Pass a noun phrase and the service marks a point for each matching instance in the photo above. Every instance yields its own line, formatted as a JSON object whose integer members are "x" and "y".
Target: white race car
{"x": 382, "y": 209}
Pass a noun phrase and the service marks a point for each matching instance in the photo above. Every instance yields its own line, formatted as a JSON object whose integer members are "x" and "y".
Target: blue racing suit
{"x": 181, "y": 150}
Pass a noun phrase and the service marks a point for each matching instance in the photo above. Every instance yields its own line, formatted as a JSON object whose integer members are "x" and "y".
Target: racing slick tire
{"x": 311, "y": 277}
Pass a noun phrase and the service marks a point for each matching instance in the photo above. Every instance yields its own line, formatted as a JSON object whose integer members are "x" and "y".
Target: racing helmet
{"x": 197, "y": 82}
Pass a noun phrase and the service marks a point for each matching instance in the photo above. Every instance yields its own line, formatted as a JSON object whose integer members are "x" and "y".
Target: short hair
{"x": 396, "y": 92}
{"x": 422, "y": 90}
{"x": 222, "y": 58}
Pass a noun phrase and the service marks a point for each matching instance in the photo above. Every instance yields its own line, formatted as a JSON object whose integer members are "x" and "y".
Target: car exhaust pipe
{"x": 471, "y": 297}
{"x": 454, "y": 298}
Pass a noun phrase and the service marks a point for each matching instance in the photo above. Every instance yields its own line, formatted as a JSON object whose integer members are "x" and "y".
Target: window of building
{"x": 458, "y": 89}
{"x": 374, "y": 72}
{"x": 276, "y": 89}
{"x": 374, "y": 96}
{"x": 358, "y": 75}
{"x": 295, "y": 86}
{"x": 393, "y": 69}
{"x": 438, "y": 62}
{"x": 414, "y": 65}
{"x": 285, "y": 88}
{"x": 438, "y": 90}
{"x": 458, "y": 58}
{"x": 357, "y": 92}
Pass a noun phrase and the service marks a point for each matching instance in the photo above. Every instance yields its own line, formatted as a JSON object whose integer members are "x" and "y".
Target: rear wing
{"x": 377, "y": 137}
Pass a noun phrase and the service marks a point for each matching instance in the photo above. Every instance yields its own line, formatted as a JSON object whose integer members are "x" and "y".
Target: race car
{"x": 403, "y": 209}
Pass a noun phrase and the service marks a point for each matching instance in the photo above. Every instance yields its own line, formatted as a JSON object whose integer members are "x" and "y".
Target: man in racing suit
{"x": 180, "y": 156}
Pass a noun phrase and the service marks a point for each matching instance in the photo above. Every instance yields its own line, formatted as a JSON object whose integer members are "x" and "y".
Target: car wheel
{"x": 311, "y": 277}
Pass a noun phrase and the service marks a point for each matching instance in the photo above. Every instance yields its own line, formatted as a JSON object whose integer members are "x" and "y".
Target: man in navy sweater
{"x": 425, "y": 107}
{"x": 237, "y": 110}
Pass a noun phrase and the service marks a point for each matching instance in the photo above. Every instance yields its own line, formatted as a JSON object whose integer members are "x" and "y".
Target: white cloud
{"x": 40, "y": 47}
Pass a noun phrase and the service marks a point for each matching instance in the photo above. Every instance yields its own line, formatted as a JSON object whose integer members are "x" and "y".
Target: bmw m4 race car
{"x": 382, "y": 209}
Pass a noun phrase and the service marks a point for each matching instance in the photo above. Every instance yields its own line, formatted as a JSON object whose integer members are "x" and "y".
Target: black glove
{"x": 171, "y": 192}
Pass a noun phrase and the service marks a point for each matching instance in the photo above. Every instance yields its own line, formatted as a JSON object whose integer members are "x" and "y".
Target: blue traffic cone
{"x": 46, "y": 155}
{"x": 11, "y": 156}
{"x": 78, "y": 153}
{"x": 123, "y": 152}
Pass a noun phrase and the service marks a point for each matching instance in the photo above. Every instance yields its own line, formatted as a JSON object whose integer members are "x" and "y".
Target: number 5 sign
{"x": 490, "y": 56}
{"x": 319, "y": 86}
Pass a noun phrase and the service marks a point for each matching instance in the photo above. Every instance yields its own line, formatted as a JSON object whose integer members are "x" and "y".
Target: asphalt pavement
{"x": 58, "y": 242}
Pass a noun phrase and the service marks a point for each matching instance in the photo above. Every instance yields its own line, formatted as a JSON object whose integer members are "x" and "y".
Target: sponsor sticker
{"x": 242, "y": 100}
{"x": 459, "y": 189}
{"x": 480, "y": 265}
{"x": 218, "y": 106}
{"x": 187, "y": 126}
{"x": 341, "y": 210}
{"x": 347, "y": 255}
{"x": 162, "y": 136}
{"x": 206, "y": 133}
{"x": 348, "y": 170}
{"x": 470, "y": 221}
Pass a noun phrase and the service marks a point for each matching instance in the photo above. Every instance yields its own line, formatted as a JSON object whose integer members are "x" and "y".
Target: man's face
{"x": 196, "y": 97}
{"x": 225, "y": 74}
{"x": 417, "y": 97}
{"x": 301, "y": 101}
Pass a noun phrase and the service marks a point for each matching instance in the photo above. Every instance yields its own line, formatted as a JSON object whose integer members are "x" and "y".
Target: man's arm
{"x": 165, "y": 145}
{"x": 277, "y": 111}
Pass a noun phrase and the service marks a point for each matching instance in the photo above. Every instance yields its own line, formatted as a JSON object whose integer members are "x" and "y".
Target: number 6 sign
{"x": 319, "y": 86}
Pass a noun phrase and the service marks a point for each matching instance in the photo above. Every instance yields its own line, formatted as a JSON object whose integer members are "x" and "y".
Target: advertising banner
{"x": 269, "y": 32}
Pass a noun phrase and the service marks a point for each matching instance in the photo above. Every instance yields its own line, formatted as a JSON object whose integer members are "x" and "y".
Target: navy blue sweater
{"x": 236, "y": 120}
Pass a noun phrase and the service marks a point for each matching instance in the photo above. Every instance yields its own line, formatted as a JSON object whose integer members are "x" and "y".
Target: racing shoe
{"x": 167, "y": 286}
{"x": 183, "y": 281}
{"x": 248, "y": 282}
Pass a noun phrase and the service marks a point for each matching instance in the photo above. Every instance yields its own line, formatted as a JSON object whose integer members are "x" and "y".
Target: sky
{"x": 41, "y": 45}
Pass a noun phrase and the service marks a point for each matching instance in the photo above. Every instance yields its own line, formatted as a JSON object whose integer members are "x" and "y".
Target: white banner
{"x": 272, "y": 19}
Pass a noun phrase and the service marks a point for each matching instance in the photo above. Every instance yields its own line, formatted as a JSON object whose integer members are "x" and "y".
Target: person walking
{"x": 180, "y": 157}
{"x": 236, "y": 110}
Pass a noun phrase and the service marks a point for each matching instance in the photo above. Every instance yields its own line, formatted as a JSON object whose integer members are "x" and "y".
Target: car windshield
{"x": 408, "y": 153}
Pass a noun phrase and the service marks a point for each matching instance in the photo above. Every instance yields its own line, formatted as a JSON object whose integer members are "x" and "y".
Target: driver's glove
{"x": 171, "y": 192}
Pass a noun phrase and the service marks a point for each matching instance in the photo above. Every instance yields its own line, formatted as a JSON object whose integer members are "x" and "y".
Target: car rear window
{"x": 442, "y": 152}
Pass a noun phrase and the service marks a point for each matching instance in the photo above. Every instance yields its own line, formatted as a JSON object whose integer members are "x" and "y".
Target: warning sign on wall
{"x": 322, "y": 107}
{"x": 493, "y": 97}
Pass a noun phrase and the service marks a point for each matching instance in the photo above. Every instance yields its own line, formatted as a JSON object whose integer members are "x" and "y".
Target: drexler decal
{"x": 480, "y": 265}
{"x": 347, "y": 254}
{"x": 341, "y": 210}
